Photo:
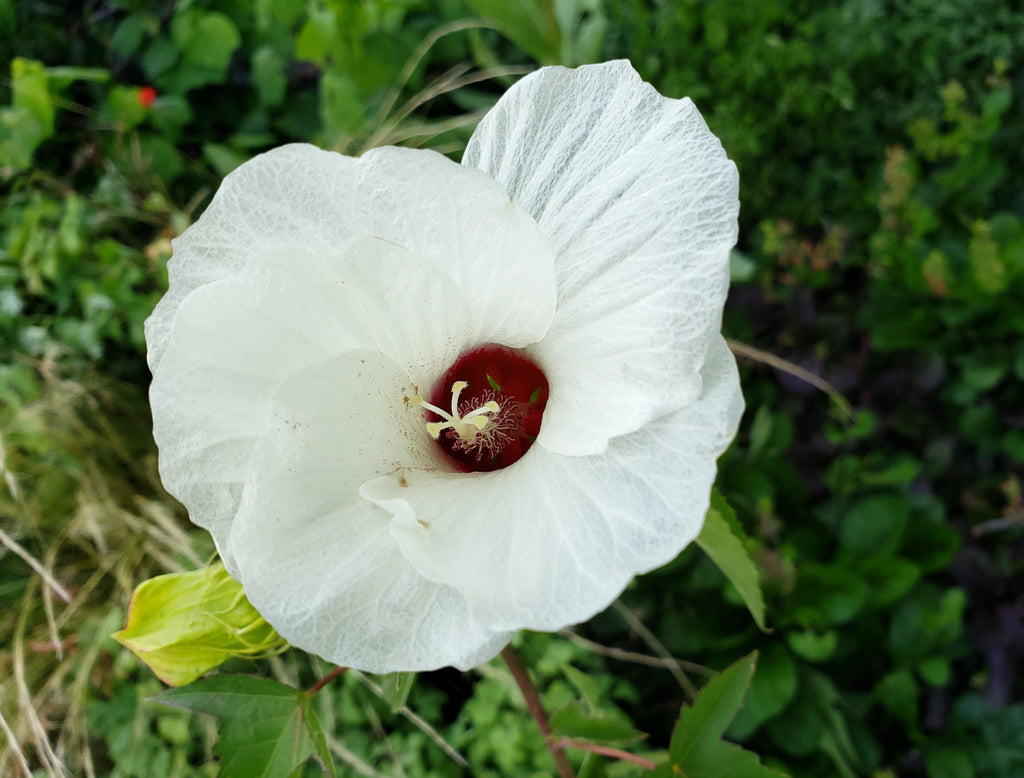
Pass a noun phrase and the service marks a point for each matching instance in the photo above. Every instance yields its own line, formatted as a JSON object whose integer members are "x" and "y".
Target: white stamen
{"x": 467, "y": 427}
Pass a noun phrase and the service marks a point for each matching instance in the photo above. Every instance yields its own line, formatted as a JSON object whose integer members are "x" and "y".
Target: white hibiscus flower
{"x": 421, "y": 405}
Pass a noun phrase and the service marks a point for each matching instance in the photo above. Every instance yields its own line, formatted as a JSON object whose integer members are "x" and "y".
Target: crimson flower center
{"x": 485, "y": 411}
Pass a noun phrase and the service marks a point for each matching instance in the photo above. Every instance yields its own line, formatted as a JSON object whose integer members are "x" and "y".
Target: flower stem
{"x": 536, "y": 708}
{"x": 312, "y": 690}
{"x": 614, "y": 753}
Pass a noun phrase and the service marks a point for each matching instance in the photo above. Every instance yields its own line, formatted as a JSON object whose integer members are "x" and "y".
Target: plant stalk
{"x": 536, "y": 708}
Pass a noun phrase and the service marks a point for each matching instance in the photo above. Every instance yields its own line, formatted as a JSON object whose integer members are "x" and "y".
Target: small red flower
{"x": 147, "y": 96}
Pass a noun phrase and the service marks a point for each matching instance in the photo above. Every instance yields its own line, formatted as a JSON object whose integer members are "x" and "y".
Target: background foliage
{"x": 882, "y": 248}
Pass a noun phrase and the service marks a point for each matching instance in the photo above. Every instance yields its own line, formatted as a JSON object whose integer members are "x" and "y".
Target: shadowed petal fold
{"x": 339, "y": 586}
{"x": 551, "y": 540}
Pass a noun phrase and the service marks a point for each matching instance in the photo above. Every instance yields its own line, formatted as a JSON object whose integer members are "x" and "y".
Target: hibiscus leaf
{"x": 317, "y": 734}
{"x": 723, "y": 539}
{"x": 267, "y": 729}
{"x": 578, "y": 721}
{"x": 396, "y": 688}
{"x": 697, "y": 749}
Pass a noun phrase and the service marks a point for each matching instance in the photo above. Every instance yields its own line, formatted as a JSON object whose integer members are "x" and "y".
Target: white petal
{"x": 316, "y": 559}
{"x": 301, "y": 255}
{"x": 234, "y": 342}
{"x": 640, "y": 203}
{"x": 551, "y": 540}
{"x": 457, "y": 220}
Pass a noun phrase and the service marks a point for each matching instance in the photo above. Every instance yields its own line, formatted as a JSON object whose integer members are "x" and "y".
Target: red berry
{"x": 147, "y": 96}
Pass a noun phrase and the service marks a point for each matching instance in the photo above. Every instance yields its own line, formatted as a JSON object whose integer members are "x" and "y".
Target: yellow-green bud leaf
{"x": 183, "y": 625}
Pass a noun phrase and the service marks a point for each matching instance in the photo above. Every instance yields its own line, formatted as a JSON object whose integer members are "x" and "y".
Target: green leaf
{"x": 269, "y": 76}
{"x": 125, "y": 109}
{"x": 723, "y": 540}
{"x": 697, "y": 750}
{"x": 185, "y": 624}
{"x": 899, "y": 693}
{"x": 828, "y": 594}
{"x": 741, "y": 267}
{"x": 30, "y": 119}
{"x": 206, "y": 39}
{"x": 396, "y": 687}
{"x": 874, "y": 526}
{"x": 223, "y": 158}
{"x": 530, "y": 24}
{"x": 814, "y": 722}
{"x": 317, "y": 734}
{"x": 585, "y": 684}
{"x": 281, "y": 14}
{"x": 889, "y": 579}
{"x": 267, "y": 729}
{"x": 949, "y": 763}
{"x": 63, "y": 75}
{"x": 128, "y": 36}
{"x": 773, "y": 688}
{"x": 812, "y": 646}
{"x": 577, "y": 721}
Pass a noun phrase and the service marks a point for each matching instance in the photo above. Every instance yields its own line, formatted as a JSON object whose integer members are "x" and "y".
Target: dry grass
{"x": 84, "y": 519}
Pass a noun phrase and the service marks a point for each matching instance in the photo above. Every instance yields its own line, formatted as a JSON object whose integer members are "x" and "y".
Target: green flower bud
{"x": 182, "y": 625}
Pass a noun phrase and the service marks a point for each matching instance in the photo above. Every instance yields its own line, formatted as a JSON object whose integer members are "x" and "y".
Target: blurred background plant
{"x": 882, "y": 248}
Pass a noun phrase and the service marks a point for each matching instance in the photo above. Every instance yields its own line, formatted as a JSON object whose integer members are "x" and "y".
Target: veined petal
{"x": 304, "y": 254}
{"x": 236, "y": 340}
{"x": 456, "y": 220}
{"x": 551, "y": 540}
{"x": 640, "y": 203}
{"x": 340, "y": 586}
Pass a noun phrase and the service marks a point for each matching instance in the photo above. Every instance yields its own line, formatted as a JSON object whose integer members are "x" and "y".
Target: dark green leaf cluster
{"x": 878, "y": 145}
{"x": 882, "y": 248}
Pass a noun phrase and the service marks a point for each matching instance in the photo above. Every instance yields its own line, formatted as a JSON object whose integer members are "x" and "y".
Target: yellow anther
{"x": 467, "y": 427}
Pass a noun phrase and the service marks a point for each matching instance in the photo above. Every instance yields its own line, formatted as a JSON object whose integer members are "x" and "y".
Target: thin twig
{"x": 427, "y": 129}
{"x": 9, "y": 478}
{"x": 12, "y": 544}
{"x": 381, "y": 735}
{"x": 352, "y": 760}
{"x": 636, "y": 658}
{"x": 657, "y": 647}
{"x": 536, "y": 708}
{"x": 417, "y": 56}
{"x": 614, "y": 753}
{"x": 320, "y": 684}
{"x": 757, "y": 355}
{"x": 15, "y": 747}
{"x": 52, "y": 763}
{"x": 1013, "y": 521}
{"x": 422, "y": 724}
{"x": 454, "y": 79}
